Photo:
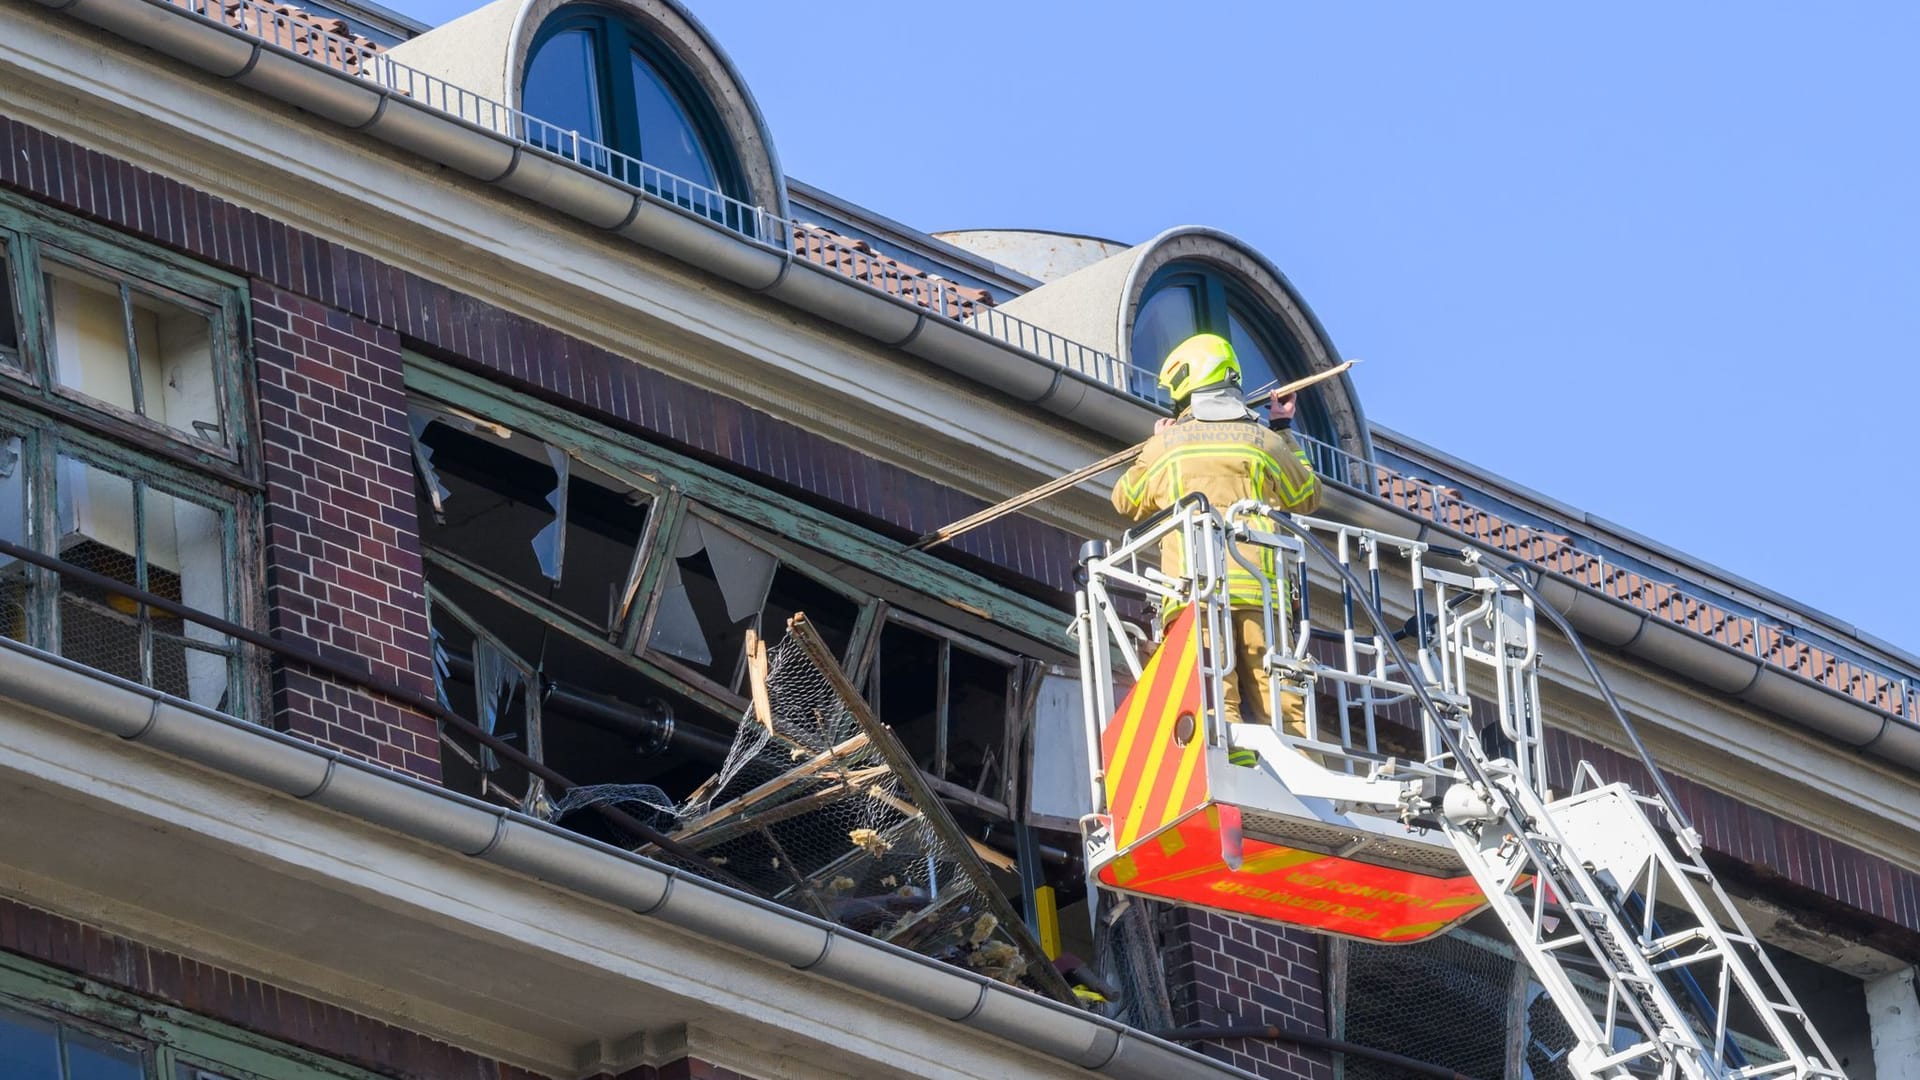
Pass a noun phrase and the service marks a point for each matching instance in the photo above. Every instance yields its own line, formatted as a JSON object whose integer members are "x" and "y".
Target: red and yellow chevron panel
{"x": 1155, "y": 767}
{"x": 1183, "y": 864}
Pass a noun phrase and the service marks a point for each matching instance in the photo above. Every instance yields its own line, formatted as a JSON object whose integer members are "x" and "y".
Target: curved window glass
{"x": 563, "y": 85}
{"x": 668, "y": 137}
{"x": 1182, "y": 300}
{"x": 592, "y": 74}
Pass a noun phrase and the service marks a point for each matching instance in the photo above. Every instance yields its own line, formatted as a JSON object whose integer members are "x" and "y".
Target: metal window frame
{"x": 1017, "y": 666}
{"x": 741, "y": 500}
{"x": 44, "y": 440}
{"x": 784, "y": 556}
{"x": 30, "y": 231}
{"x": 170, "y": 1037}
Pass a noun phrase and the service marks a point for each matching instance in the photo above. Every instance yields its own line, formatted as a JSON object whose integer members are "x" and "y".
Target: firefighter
{"x": 1215, "y": 445}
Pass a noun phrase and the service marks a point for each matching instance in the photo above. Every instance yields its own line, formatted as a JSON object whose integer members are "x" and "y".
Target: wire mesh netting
{"x": 1443, "y": 1001}
{"x": 808, "y": 811}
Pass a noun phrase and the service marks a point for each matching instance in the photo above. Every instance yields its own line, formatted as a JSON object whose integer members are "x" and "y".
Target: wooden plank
{"x": 958, "y": 844}
{"x": 757, "y": 678}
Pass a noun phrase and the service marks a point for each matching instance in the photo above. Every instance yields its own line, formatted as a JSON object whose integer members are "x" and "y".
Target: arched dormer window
{"x": 1186, "y": 298}
{"x": 594, "y": 73}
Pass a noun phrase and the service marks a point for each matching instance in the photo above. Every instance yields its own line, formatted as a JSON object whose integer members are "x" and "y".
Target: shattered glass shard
{"x": 418, "y": 417}
{"x": 676, "y": 628}
{"x": 744, "y": 572}
{"x": 495, "y": 678}
{"x": 550, "y": 544}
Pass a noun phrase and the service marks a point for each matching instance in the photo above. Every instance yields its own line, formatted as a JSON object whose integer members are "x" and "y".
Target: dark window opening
{"x": 9, "y": 321}
{"x": 948, "y": 703}
{"x": 905, "y": 687}
{"x": 718, "y": 586}
{"x": 496, "y": 513}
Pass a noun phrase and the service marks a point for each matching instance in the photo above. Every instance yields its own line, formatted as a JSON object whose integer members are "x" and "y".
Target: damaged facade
{"x": 530, "y": 433}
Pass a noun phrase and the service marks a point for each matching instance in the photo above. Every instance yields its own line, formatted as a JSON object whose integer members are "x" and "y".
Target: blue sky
{"x": 1659, "y": 261}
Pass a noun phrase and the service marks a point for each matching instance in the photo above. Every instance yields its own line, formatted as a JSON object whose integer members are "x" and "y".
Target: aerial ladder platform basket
{"x": 1400, "y": 804}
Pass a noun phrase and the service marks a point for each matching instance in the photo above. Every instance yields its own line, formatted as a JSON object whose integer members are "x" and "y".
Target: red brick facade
{"x": 1225, "y": 971}
{"x": 342, "y": 547}
{"x": 235, "y": 999}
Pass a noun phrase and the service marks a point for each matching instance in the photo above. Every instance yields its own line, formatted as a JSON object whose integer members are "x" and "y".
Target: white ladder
{"x": 1575, "y": 881}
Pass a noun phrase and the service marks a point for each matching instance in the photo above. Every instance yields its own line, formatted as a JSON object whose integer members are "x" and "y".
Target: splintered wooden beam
{"x": 957, "y": 842}
{"x": 776, "y": 785}
{"x": 757, "y": 678}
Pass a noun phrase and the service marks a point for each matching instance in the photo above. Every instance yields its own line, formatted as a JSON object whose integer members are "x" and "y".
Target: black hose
{"x": 1516, "y": 576}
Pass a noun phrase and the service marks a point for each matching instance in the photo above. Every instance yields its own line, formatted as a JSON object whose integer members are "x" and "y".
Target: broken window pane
{"x": 712, "y": 594}
{"x": 499, "y": 502}
{"x": 906, "y": 687}
{"x": 472, "y": 664}
{"x": 831, "y": 613}
{"x": 600, "y": 721}
{"x": 979, "y": 691}
{"x": 150, "y": 539}
{"x": 133, "y": 350}
{"x": 718, "y": 586}
{"x": 605, "y": 521}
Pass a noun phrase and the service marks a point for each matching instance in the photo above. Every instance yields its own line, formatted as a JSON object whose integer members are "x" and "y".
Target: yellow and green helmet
{"x": 1198, "y": 363}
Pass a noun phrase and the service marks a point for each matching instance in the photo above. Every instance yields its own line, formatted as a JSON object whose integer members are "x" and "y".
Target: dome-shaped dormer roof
{"x": 640, "y": 77}
{"x": 1137, "y": 304}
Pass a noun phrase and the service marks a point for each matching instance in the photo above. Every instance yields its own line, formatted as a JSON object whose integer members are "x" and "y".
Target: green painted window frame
{"x": 971, "y": 596}
{"x": 171, "y": 1037}
{"x": 613, "y": 40}
{"x": 32, "y": 236}
{"x": 799, "y": 536}
{"x": 52, "y": 423}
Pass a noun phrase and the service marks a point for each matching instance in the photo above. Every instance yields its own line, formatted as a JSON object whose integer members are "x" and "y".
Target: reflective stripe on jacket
{"x": 1227, "y": 461}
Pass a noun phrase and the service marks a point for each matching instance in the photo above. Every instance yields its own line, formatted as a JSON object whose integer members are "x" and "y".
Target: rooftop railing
{"x": 1806, "y": 654}
{"x": 362, "y": 59}
{"x": 1800, "y": 652}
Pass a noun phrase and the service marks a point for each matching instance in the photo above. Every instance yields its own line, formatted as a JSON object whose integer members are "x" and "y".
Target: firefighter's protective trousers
{"x": 1227, "y": 461}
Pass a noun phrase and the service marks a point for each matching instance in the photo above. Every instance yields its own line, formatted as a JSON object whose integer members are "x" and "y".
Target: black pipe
{"x": 1274, "y": 1033}
{"x": 652, "y": 726}
{"x": 1516, "y": 575}
{"x": 365, "y": 680}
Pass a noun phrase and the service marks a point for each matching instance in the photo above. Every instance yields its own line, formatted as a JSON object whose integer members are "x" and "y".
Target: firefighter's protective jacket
{"x": 1227, "y": 461}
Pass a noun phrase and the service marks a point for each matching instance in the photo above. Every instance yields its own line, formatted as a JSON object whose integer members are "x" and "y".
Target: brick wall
{"x": 343, "y": 566}
{"x": 1223, "y": 970}
{"x": 231, "y": 998}
{"x": 528, "y": 355}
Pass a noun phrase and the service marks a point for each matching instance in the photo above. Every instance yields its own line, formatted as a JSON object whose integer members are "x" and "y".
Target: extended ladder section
{"x": 1411, "y": 791}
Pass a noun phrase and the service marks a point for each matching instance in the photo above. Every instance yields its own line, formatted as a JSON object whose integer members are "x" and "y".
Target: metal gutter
{"x": 1638, "y": 634}
{"x": 526, "y": 845}
{"x": 1018, "y": 359}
